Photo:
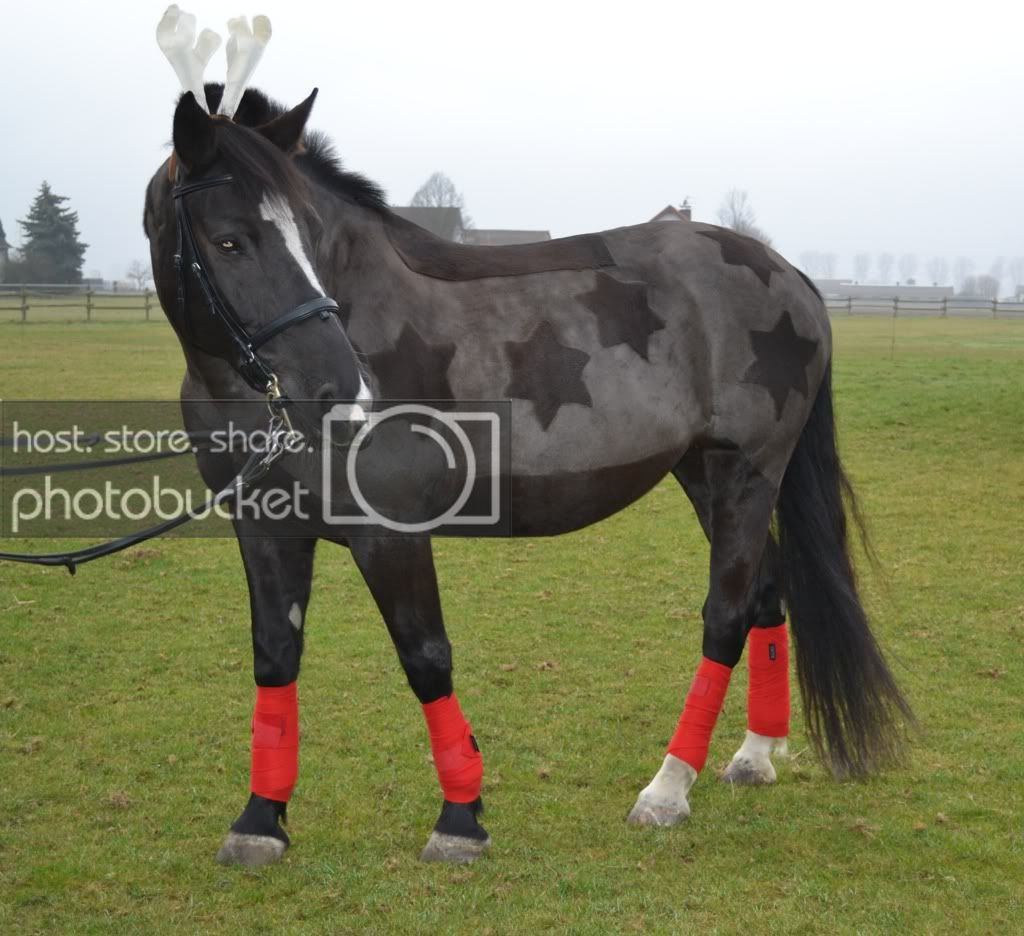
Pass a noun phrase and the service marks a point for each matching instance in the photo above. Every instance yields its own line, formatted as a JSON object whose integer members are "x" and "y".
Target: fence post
{"x": 895, "y": 314}
{"x": 945, "y": 306}
{"x": 147, "y": 305}
{"x": 88, "y": 304}
{"x": 849, "y": 305}
{"x": 995, "y": 305}
{"x": 24, "y": 303}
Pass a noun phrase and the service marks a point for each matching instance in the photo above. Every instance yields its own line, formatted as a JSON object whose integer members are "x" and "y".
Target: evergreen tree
{"x": 52, "y": 252}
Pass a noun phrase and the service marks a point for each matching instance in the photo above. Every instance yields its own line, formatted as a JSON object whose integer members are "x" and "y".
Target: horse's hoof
{"x": 250, "y": 850}
{"x": 647, "y": 813}
{"x": 454, "y": 849}
{"x": 746, "y": 772}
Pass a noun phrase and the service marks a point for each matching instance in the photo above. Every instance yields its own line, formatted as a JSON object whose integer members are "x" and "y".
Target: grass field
{"x": 125, "y": 698}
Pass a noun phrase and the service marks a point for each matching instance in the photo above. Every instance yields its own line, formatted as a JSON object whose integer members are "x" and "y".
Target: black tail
{"x": 853, "y": 708}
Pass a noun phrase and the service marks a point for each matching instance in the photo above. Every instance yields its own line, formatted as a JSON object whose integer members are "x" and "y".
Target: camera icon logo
{"x": 467, "y": 447}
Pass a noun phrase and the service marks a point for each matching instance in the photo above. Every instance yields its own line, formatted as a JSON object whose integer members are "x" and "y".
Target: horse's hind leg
{"x": 767, "y": 648}
{"x": 768, "y": 684}
{"x": 400, "y": 576}
{"x": 734, "y": 503}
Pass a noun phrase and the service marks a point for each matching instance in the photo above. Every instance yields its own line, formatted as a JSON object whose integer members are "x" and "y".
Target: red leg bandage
{"x": 275, "y": 742}
{"x": 768, "y": 693}
{"x": 703, "y": 703}
{"x": 460, "y": 768}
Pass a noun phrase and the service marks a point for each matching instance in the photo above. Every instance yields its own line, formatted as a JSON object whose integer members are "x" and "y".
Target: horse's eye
{"x": 228, "y": 246}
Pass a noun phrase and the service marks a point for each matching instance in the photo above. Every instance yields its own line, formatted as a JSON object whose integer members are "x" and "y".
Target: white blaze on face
{"x": 276, "y": 210}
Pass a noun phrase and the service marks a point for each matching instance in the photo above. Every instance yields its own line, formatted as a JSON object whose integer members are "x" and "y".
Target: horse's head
{"x": 232, "y": 233}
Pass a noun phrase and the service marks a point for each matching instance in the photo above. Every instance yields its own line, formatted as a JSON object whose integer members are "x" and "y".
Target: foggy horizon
{"x": 854, "y": 130}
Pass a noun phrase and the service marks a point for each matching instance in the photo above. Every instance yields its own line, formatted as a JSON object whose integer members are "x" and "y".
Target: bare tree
{"x": 861, "y": 267}
{"x": 907, "y": 268}
{"x": 997, "y": 271}
{"x": 138, "y": 275}
{"x": 1016, "y": 270}
{"x": 885, "y": 261}
{"x": 828, "y": 265}
{"x": 810, "y": 263}
{"x": 736, "y": 213}
{"x": 988, "y": 286}
{"x": 980, "y": 287}
{"x": 938, "y": 270}
{"x": 438, "y": 192}
{"x": 962, "y": 268}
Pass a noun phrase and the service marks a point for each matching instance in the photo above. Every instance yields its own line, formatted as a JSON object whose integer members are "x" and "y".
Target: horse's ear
{"x": 194, "y": 134}
{"x": 285, "y": 132}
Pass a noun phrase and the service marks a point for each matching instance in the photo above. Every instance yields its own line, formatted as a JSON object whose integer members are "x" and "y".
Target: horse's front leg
{"x": 279, "y": 571}
{"x": 400, "y": 575}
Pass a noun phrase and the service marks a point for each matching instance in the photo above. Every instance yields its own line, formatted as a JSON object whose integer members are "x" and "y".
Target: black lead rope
{"x": 258, "y": 464}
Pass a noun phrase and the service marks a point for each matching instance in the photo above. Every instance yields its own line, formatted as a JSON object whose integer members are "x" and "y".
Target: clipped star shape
{"x": 744, "y": 251}
{"x": 781, "y": 358}
{"x": 622, "y": 312}
{"x": 413, "y": 369}
{"x": 546, "y": 372}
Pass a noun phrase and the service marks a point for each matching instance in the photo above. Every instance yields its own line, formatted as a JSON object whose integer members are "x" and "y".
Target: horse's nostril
{"x": 326, "y": 395}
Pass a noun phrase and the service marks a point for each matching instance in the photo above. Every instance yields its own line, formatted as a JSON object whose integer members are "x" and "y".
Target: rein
{"x": 256, "y": 372}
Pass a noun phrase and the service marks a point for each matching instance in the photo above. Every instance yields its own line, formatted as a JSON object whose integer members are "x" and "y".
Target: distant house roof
{"x": 671, "y": 213}
{"x": 497, "y": 237}
{"x": 445, "y": 222}
{"x": 844, "y": 289}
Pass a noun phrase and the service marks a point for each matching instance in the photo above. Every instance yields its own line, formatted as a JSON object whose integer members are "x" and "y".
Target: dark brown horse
{"x": 625, "y": 356}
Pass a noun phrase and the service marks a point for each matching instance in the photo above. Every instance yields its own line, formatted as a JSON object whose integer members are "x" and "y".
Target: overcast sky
{"x": 856, "y": 126}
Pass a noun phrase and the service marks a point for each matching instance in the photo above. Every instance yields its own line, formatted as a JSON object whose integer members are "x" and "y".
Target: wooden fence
{"x": 951, "y": 307}
{"x": 41, "y": 303}
{"x": 63, "y": 303}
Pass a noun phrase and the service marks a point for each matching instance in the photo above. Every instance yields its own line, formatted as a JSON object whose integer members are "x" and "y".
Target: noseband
{"x": 256, "y": 372}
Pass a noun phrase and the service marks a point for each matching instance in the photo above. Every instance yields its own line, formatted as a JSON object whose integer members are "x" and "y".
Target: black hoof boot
{"x": 256, "y": 838}
{"x": 458, "y": 838}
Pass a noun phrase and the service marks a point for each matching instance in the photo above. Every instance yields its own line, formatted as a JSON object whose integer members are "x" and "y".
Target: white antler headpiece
{"x": 175, "y": 34}
{"x": 245, "y": 49}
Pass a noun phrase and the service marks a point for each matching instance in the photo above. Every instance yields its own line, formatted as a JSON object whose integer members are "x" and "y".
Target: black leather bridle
{"x": 252, "y": 368}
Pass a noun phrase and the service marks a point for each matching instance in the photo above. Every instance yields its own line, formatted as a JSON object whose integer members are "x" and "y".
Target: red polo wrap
{"x": 703, "y": 703}
{"x": 460, "y": 768}
{"x": 275, "y": 742}
{"x": 768, "y": 692}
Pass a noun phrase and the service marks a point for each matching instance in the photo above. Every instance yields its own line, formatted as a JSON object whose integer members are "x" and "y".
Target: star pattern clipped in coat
{"x": 413, "y": 369}
{"x": 622, "y": 312}
{"x": 739, "y": 250}
{"x": 781, "y": 358}
{"x": 546, "y": 372}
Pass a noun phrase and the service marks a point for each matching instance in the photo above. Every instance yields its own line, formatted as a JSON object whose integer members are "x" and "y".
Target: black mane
{"x": 319, "y": 159}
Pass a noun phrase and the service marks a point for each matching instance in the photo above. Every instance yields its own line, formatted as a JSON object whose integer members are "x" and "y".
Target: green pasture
{"x": 125, "y": 698}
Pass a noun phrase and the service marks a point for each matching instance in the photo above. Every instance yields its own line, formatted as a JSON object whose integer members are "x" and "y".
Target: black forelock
{"x": 318, "y": 158}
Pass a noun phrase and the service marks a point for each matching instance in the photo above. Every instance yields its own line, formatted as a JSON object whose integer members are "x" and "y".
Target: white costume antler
{"x": 245, "y": 49}
{"x": 175, "y": 35}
